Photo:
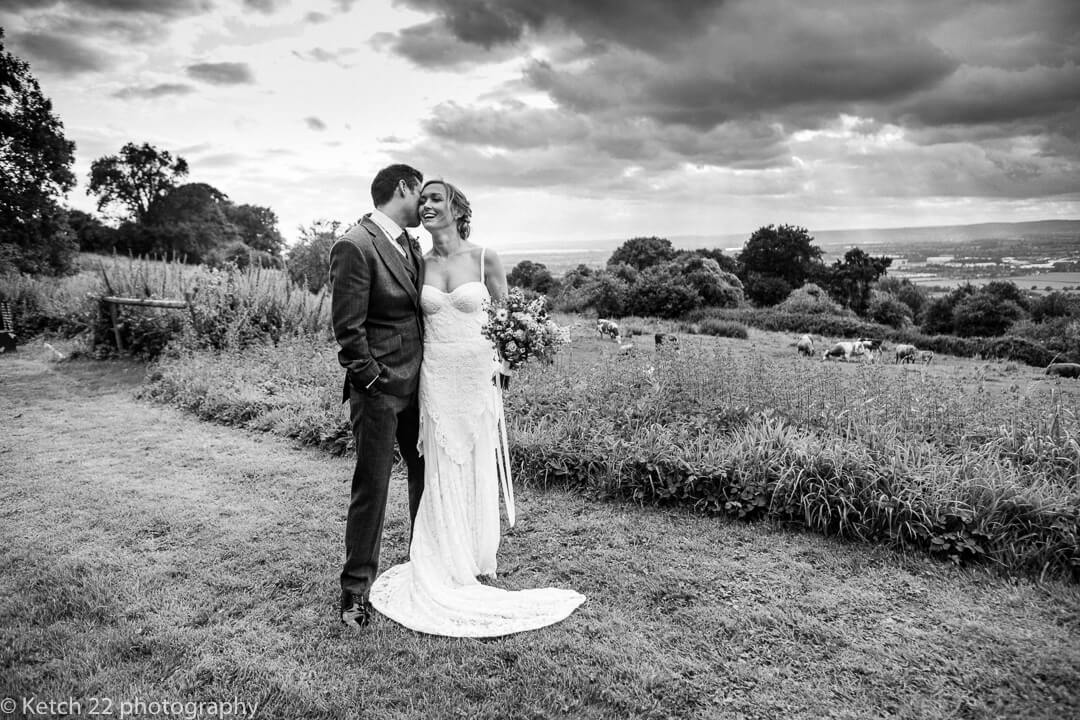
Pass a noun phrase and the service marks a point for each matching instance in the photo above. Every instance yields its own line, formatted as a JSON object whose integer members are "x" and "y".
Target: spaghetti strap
{"x": 482, "y": 251}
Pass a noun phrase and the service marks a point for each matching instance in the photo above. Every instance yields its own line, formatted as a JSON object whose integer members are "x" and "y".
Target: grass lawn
{"x": 148, "y": 555}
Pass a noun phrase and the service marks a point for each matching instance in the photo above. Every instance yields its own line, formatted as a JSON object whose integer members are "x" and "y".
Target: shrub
{"x": 888, "y": 310}
{"x": 984, "y": 314}
{"x": 809, "y": 300}
{"x": 721, "y": 328}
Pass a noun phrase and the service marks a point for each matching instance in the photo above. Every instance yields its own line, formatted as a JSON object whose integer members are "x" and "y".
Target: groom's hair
{"x": 387, "y": 179}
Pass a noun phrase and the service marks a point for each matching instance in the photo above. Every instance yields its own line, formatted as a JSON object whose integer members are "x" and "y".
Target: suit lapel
{"x": 391, "y": 257}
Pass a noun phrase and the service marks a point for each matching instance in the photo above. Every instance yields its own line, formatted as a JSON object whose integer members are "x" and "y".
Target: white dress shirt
{"x": 391, "y": 228}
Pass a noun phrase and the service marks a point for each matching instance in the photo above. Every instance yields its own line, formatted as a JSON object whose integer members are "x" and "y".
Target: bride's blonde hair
{"x": 459, "y": 206}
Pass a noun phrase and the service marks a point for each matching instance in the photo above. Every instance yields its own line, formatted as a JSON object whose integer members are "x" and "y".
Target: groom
{"x": 376, "y": 271}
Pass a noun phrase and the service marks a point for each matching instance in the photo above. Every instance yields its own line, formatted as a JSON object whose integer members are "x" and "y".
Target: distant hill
{"x": 832, "y": 242}
{"x": 903, "y": 235}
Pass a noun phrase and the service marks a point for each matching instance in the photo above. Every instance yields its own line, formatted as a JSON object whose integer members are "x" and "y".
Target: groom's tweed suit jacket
{"x": 375, "y": 304}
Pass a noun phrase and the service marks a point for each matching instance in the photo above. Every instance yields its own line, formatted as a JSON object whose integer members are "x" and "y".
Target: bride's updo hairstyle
{"x": 459, "y": 206}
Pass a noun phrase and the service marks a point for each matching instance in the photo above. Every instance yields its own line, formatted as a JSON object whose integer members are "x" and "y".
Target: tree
{"x": 1055, "y": 305}
{"x": 849, "y": 281}
{"x": 91, "y": 234}
{"x": 308, "y": 261}
{"x": 937, "y": 316}
{"x": 140, "y": 175}
{"x": 190, "y": 221}
{"x": 1006, "y": 290}
{"x": 984, "y": 314}
{"x": 906, "y": 292}
{"x": 776, "y": 260}
{"x": 643, "y": 252}
{"x": 531, "y": 276}
{"x": 257, "y": 227}
{"x": 35, "y": 170}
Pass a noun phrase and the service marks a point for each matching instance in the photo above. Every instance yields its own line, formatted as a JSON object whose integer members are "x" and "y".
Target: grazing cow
{"x": 666, "y": 340}
{"x": 873, "y": 348}
{"x": 805, "y": 345}
{"x": 1065, "y": 370}
{"x": 607, "y": 328}
{"x": 924, "y": 356}
{"x": 845, "y": 351}
{"x": 905, "y": 354}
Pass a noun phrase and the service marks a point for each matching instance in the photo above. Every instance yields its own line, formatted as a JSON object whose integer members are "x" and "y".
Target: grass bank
{"x": 943, "y": 460}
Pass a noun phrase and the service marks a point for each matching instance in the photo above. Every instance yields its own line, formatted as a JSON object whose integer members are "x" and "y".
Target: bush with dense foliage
{"x": 810, "y": 299}
{"x": 229, "y": 307}
{"x": 886, "y": 309}
{"x": 529, "y": 275}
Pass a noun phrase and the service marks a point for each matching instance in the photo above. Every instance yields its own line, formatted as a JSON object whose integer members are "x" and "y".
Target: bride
{"x": 456, "y": 534}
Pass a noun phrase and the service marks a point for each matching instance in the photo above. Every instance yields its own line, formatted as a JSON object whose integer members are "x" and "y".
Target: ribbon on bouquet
{"x": 503, "y": 460}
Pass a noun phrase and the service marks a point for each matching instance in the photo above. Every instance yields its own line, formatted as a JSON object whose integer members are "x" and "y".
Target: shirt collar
{"x": 386, "y": 224}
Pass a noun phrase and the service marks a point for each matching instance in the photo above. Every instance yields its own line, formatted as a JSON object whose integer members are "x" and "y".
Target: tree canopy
{"x": 35, "y": 171}
{"x": 531, "y": 276}
{"x": 776, "y": 260}
{"x": 849, "y": 281}
{"x": 308, "y": 261}
{"x": 135, "y": 179}
{"x": 643, "y": 252}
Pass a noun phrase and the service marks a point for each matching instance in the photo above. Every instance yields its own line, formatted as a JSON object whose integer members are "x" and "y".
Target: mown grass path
{"x": 148, "y": 555}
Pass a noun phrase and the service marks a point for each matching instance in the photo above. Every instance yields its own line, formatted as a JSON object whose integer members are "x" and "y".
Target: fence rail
{"x": 113, "y": 301}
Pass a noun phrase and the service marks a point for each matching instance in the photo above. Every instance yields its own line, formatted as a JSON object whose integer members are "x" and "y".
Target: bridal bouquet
{"x": 522, "y": 330}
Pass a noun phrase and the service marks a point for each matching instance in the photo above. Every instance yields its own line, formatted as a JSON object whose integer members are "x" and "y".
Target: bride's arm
{"x": 494, "y": 275}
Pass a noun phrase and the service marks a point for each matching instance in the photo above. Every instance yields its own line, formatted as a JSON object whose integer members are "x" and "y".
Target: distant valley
{"x": 926, "y": 254}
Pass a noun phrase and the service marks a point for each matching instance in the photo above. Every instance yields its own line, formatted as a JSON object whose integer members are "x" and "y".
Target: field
{"x": 148, "y": 555}
{"x": 1037, "y": 281}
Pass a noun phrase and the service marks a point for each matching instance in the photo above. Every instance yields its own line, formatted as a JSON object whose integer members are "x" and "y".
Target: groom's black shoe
{"x": 355, "y": 610}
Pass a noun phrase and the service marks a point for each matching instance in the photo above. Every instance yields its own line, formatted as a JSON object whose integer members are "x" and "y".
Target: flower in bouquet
{"x": 521, "y": 329}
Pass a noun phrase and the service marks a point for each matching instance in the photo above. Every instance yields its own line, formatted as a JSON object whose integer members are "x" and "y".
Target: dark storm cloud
{"x": 314, "y": 123}
{"x": 222, "y": 73}
{"x": 170, "y": 8}
{"x": 153, "y": 92}
{"x": 983, "y": 95}
{"x": 434, "y": 45}
{"x": 646, "y": 24}
{"x": 59, "y": 54}
{"x": 982, "y": 92}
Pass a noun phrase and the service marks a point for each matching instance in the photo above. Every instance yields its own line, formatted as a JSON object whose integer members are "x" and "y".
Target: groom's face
{"x": 412, "y": 202}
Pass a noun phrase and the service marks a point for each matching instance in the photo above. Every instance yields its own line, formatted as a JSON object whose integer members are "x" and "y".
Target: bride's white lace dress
{"x": 456, "y": 534}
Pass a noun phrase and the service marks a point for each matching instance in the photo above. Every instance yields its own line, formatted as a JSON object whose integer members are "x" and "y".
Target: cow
{"x": 1065, "y": 370}
{"x": 666, "y": 341}
{"x": 905, "y": 354}
{"x": 873, "y": 348}
{"x": 924, "y": 356}
{"x": 607, "y": 328}
{"x": 845, "y": 350}
{"x": 805, "y": 346}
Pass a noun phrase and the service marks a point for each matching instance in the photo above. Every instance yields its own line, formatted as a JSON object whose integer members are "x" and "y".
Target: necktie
{"x": 403, "y": 241}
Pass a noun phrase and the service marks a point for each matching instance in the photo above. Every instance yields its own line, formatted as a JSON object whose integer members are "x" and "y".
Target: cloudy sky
{"x": 567, "y": 121}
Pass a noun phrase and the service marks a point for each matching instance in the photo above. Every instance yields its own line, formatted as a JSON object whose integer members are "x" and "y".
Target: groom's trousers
{"x": 377, "y": 421}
